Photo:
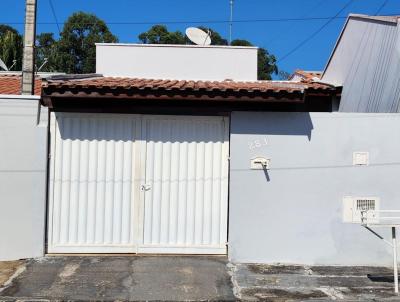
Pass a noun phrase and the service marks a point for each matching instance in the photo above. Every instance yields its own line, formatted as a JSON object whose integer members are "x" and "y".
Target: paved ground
{"x": 8, "y": 269}
{"x": 187, "y": 278}
{"x": 182, "y": 278}
{"x": 276, "y": 283}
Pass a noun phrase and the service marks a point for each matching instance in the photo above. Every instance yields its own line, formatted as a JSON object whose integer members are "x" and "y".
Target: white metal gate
{"x": 185, "y": 203}
{"x": 131, "y": 183}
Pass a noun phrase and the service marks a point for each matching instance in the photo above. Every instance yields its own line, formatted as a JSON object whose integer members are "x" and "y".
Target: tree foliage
{"x": 11, "y": 46}
{"x": 159, "y": 34}
{"x": 76, "y": 51}
{"x": 266, "y": 62}
{"x": 46, "y": 49}
{"x": 216, "y": 38}
{"x": 266, "y": 65}
{"x": 239, "y": 42}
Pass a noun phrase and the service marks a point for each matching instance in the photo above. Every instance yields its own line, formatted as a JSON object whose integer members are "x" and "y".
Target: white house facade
{"x": 209, "y": 163}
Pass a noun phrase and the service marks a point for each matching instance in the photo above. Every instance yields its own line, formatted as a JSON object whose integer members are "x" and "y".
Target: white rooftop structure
{"x": 180, "y": 62}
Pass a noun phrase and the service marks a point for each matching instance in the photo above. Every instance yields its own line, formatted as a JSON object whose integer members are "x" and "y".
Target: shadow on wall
{"x": 287, "y": 123}
{"x": 124, "y": 128}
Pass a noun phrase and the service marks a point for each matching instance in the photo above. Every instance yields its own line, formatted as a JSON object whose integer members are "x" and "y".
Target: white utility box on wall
{"x": 360, "y": 158}
{"x": 353, "y": 206}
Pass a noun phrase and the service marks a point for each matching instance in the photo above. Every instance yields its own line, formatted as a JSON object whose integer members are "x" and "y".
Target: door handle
{"x": 145, "y": 187}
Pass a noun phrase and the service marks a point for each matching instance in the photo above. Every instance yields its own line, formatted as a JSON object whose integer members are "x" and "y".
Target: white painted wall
{"x": 293, "y": 214}
{"x": 183, "y": 62}
{"x": 23, "y": 146}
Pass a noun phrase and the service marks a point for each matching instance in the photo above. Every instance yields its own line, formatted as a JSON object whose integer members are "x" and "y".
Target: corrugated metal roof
{"x": 390, "y": 19}
{"x": 365, "y": 62}
{"x": 393, "y": 19}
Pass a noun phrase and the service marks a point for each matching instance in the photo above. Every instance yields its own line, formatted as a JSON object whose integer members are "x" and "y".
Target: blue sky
{"x": 278, "y": 37}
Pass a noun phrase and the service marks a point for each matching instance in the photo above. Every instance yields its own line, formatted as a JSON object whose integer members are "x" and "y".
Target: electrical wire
{"x": 315, "y": 33}
{"x": 54, "y": 15}
{"x": 381, "y": 7}
{"x": 199, "y": 21}
{"x": 205, "y": 21}
{"x": 279, "y": 35}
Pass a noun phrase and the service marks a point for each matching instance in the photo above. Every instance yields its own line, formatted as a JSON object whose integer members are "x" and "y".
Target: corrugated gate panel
{"x": 92, "y": 177}
{"x": 186, "y": 185}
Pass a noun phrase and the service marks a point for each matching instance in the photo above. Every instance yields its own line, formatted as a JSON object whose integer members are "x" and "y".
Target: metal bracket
{"x": 393, "y": 244}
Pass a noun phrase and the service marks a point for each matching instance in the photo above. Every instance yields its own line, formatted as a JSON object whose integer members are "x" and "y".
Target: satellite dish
{"x": 2, "y": 65}
{"x": 197, "y": 36}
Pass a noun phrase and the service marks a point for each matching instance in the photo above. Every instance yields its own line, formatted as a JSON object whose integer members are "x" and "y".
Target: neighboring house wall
{"x": 366, "y": 62}
{"x": 293, "y": 214}
{"x": 182, "y": 62}
{"x": 23, "y": 145}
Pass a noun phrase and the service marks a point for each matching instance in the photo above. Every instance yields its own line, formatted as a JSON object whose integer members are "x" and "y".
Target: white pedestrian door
{"x": 132, "y": 183}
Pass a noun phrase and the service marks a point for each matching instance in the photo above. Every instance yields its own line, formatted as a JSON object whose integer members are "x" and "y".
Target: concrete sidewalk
{"x": 187, "y": 278}
{"x": 124, "y": 278}
{"x": 278, "y": 283}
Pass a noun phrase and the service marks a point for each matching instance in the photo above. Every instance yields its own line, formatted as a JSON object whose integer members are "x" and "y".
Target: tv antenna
{"x": 45, "y": 61}
{"x": 230, "y": 22}
{"x": 13, "y": 64}
{"x": 198, "y": 37}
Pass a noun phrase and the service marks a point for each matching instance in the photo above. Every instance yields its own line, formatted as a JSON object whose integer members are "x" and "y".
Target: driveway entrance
{"x": 126, "y": 278}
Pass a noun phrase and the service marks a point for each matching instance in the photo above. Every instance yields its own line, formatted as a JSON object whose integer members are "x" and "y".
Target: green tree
{"x": 266, "y": 62}
{"x": 266, "y": 65}
{"x": 239, "y": 42}
{"x": 76, "y": 51}
{"x": 46, "y": 49}
{"x": 11, "y": 47}
{"x": 216, "y": 38}
{"x": 159, "y": 34}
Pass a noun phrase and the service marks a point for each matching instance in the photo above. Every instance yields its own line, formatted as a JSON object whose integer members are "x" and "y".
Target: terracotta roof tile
{"x": 11, "y": 84}
{"x": 183, "y": 84}
{"x": 308, "y": 75}
{"x": 156, "y": 88}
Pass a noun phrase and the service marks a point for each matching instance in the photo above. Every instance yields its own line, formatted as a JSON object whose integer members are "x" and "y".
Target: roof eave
{"x": 215, "y": 96}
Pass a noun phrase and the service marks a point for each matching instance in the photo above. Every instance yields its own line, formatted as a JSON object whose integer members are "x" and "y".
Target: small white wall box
{"x": 360, "y": 158}
{"x": 353, "y": 206}
{"x": 260, "y": 163}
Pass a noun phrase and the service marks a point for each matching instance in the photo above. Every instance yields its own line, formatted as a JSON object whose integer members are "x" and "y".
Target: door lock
{"x": 145, "y": 187}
